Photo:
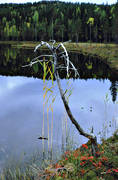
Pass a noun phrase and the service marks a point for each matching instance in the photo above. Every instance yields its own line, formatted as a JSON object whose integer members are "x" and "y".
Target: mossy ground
{"x": 106, "y": 52}
{"x": 81, "y": 165}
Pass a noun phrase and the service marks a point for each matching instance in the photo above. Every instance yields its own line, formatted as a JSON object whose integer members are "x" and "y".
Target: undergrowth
{"x": 81, "y": 165}
{"x": 77, "y": 164}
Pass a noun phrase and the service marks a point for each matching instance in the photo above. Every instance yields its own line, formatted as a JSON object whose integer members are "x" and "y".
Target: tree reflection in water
{"x": 12, "y": 60}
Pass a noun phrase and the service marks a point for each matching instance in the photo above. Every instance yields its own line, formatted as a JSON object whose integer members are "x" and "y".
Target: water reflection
{"x": 21, "y": 106}
{"x": 12, "y": 60}
{"x": 21, "y": 116}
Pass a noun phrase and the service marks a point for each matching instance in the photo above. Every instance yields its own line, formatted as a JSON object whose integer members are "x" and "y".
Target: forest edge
{"x": 108, "y": 53}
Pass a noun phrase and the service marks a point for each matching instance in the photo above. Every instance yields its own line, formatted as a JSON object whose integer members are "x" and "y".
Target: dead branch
{"x": 69, "y": 65}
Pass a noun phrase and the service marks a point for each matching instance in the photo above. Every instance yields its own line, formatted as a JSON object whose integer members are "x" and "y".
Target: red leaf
{"x": 85, "y": 146}
{"x": 115, "y": 170}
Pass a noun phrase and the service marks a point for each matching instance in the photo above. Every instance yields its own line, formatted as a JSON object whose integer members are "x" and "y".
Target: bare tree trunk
{"x": 73, "y": 120}
{"x": 69, "y": 65}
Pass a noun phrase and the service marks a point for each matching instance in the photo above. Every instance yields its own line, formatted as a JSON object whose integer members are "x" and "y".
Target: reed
{"x": 51, "y": 133}
{"x": 48, "y": 130}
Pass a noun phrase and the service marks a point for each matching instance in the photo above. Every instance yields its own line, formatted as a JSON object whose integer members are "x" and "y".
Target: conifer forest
{"x": 60, "y": 21}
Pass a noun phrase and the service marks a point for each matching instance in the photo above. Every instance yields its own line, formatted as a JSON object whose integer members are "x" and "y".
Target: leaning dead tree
{"x": 59, "y": 53}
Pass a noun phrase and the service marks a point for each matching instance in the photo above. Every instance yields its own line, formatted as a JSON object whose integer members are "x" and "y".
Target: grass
{"x": 29, "y": 169}
{"x": 76, "y": 164}
{"x": 24, "y": 170}
{"x": 17, "y": 168}
{"x": 106, "y": 52}
{"x": 81, "y": 165}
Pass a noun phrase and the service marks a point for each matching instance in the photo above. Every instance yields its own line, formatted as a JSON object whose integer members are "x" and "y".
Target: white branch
{"x": 66, "y": 56}
{"x": 35, "y": 62}
{"x": 42, "y": 44}
{"x": 41, "y": 57}
{"x": 75, "y": 70}
{"x": 63, "y": 54}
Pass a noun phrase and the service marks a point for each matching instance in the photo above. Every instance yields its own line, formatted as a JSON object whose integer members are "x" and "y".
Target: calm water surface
{"x": 21, "y": 115}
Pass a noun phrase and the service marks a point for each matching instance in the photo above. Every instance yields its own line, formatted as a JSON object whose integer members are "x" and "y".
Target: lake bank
{"x": 108, "y": 53}
{"x": 81, "y": 164}
{"x": 73, "y": 164}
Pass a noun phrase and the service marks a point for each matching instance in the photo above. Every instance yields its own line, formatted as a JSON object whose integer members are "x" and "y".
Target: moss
{"x": 90, "y": 175}
{"x": 59, "y": 178}
{"x": 114, "y": 138}
{"x": 109, "y": 177}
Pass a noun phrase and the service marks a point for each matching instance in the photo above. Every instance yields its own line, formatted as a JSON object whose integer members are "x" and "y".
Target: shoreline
{"x": 108, "y": 53}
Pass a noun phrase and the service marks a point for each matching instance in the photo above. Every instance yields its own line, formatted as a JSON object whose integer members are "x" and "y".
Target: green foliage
{"x": 36, "y": 17}
{"x": 58, "y": 20}
{"x": 90, "y": 175}
{"x": 89, "y": 65}
{"x": 4, "y": 20}
{"x": 35, "y": 68}
{"x": 90, "y": 21}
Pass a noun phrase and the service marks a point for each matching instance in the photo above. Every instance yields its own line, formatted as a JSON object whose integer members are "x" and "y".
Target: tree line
{"x": 60, "y": 21}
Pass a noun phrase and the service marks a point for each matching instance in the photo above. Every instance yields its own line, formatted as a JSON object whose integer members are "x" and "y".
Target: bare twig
{"x": 41, "y": 57}
{"x": 34, "y": 62}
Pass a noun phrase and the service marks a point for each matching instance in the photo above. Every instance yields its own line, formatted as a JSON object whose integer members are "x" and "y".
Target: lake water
{"x": 23, "y": 115}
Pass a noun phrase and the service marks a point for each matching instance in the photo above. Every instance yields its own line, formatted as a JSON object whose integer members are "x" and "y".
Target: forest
{"x": 60, "y": 21}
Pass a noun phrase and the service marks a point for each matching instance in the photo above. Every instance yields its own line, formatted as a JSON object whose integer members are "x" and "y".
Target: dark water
{"x": 93, "y": 103}
{"x": 12, "y": 60}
